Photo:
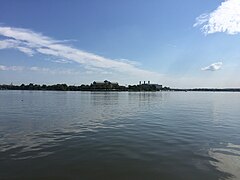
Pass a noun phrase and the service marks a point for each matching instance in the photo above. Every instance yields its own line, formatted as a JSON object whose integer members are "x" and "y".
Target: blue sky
{"x": 175, "y": 43}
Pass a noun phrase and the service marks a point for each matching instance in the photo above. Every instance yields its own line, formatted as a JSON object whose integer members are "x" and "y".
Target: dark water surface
{"x": 119, "y": 135}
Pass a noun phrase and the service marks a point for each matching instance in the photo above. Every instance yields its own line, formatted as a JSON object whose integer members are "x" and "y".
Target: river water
{"x": 119, "y": 135}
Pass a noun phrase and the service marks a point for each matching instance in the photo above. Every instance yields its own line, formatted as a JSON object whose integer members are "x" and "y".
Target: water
{"x": 119, "y": 135}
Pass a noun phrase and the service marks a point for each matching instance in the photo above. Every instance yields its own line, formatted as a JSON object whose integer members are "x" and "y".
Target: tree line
{"x": 83, "y": 87}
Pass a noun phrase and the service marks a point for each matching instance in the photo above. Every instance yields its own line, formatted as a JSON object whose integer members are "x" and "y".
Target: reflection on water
{"x": 119, "y": 135}
{"x": 227, "y": 160}
{"x": 30, "y": 125}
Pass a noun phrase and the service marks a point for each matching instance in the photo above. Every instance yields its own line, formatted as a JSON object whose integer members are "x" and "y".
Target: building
{"x": 157, "y": 86}
{"x": 148, "y": 85}
{"x": 104, "y": 85}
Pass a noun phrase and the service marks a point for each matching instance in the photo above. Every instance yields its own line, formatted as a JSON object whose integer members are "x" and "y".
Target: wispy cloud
{"x": 40, "y": 70}
{"x": 62, "y": 61}
{"x": 15, "y": 44}
{"x": 213, "y": 67}
{"x": 11, "y": 68}
{"x": 26, "y": 50}
{"x": 30, "y": 43}
{"x": 226, "y": 18}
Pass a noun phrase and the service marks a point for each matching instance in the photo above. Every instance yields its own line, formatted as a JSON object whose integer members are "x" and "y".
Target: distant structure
{"x": 104, "y": 85}
{"x": 149, "y": 85}
{"x": 158, "y": 86}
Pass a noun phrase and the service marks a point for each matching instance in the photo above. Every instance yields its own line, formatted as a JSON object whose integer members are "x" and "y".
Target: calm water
{"x": 111, "y": 136}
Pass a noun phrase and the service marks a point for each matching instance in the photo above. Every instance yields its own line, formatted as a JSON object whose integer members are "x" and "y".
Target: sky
{"x": 175, "y": 43}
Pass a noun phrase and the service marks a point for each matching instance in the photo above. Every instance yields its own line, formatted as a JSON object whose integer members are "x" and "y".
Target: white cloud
{"x": 4, "y": 44}
{"x": 226, "y": 18}
{"x": 15, "y": 44}
{"x": 3, "y": 68}
{"x": 62, "y": 61}
{"x": 26, "y": 50}
{"x": 34, "y": 68}
{"x": 11, "y": 68}
{"x": 30, "y": 43}
{"x": 52, "y": 71}
{"x": 213, "y": 67}
{"x": 39, "y": 69}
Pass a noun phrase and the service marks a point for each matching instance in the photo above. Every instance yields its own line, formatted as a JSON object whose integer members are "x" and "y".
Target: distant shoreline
{"x": 210, "y": 89}
{"x": 130, "y": 88}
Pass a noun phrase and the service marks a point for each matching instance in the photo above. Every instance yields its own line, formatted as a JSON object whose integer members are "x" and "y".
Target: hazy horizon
{"x": 178, "y": 44}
